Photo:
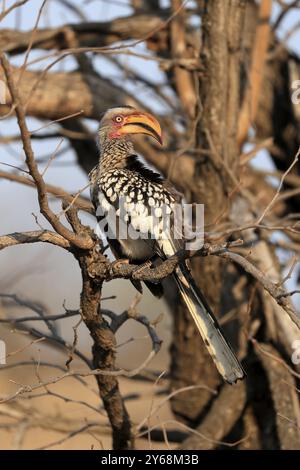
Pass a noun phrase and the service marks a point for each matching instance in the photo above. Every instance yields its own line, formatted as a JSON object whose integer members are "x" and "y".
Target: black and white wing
{"x": 147, "y": 209}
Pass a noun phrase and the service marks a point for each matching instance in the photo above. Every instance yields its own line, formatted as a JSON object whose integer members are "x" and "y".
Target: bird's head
{"x": 118, "y": 123}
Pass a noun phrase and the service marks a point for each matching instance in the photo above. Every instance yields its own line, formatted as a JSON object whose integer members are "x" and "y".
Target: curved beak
{"x": 142, "y": 123}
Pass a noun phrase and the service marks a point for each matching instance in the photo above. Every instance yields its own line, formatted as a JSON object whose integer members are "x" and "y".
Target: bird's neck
{"x": 114, "y": 153}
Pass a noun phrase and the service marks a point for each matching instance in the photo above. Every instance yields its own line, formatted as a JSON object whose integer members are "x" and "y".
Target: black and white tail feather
{"x": 210, "y": 331}
{"x": 221, "y": 352}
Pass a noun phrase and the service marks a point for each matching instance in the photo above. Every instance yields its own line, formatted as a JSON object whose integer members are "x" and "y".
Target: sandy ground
{"x": 54, "y": 421}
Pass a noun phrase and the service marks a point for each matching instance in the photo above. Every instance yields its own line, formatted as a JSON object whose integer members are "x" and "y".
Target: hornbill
{"x": 127, "y": 193}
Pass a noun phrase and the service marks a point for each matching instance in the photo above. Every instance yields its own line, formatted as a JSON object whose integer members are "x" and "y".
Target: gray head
{"x": 122, "y": 121}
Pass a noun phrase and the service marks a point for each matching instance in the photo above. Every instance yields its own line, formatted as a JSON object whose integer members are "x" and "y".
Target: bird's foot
{"x": 115, "y": 265}
{"x": 143, "y": 267}
{"x": 119, "y": 262}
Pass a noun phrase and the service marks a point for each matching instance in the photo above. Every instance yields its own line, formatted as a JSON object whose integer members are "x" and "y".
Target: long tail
{"x": 219, "y": 349}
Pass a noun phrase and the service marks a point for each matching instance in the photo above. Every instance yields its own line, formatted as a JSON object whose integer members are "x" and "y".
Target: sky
{"x": 45, "y": 272}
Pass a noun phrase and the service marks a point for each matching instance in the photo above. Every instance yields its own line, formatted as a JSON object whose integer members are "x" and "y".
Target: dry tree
{"x": 227, "y": 83}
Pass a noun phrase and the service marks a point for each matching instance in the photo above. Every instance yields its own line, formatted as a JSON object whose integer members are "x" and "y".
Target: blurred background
{"x": 49, "y": 277}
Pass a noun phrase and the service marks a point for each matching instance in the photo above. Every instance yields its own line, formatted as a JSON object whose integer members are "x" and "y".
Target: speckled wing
{"x": 148, "y": 209}
{"x": 141, "y": 206}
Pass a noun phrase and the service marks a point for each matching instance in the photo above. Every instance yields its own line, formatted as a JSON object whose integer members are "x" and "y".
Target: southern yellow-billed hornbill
{"x": 123, "y": 190}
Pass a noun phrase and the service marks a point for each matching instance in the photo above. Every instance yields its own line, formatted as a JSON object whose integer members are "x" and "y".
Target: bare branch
{"x": 79, "y": 241}
{"x": 15, "y": 5}
{"x": 21, "y": 238}
{"x": 222, "y": 416}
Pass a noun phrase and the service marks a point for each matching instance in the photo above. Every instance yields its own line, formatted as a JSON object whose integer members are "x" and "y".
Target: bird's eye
{"x": 118, "y": 119}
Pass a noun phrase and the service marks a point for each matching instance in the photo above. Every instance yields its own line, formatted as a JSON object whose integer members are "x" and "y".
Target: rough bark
{"x": 104, "y": 354}
{"x": 219, "y": 98}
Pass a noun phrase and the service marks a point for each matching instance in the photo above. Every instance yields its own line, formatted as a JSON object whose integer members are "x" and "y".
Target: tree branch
{"x": 87, "y": 34}
{"x": 21, "y": 238}
{"x": 83, "y": 242}
{"x": 222, "y": 416}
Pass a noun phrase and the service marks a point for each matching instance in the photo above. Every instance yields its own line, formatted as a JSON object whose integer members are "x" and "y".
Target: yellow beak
{"x": 142, "y": 123}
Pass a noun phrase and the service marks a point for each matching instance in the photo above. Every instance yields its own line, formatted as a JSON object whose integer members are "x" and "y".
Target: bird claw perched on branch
{"x": 118, "y": 262}
{"x": 139, "y": 270}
